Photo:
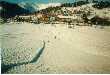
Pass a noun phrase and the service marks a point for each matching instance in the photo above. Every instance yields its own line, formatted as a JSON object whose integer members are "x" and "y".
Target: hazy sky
{"x": 38, "y": 1}
{"x": 46, "y": 1}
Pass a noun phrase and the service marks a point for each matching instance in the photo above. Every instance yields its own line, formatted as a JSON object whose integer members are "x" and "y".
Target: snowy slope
{"x": 35, "y": 6}
{"x": 43, "y": 6}
{"x": 29, "y": 6}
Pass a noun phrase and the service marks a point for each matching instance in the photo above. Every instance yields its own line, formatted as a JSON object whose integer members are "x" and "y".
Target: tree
{"x": 87, "y": 1}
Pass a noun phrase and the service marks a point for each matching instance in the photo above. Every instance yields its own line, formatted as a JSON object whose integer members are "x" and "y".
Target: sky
{"x": 45, "y": 1}
{"x": 39, "y": 1}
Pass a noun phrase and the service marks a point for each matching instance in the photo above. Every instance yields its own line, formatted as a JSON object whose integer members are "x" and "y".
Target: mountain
{"x": 32, "y": 7}
{"x": 9, "y": 10}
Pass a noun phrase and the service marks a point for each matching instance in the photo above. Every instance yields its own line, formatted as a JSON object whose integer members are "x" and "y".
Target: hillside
{"x": 78, "y": 13}
{"x": 85, "y": 14}
{"x": 10, "y": 10}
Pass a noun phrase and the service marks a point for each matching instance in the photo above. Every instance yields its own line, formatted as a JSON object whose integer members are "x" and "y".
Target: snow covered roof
{"x": 71, "y": 17}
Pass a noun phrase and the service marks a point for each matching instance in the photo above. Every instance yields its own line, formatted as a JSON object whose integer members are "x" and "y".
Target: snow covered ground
{"x": 83, "y": 49}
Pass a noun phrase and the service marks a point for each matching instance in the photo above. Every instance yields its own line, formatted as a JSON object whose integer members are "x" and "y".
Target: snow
{"x": 0, "y": 8}
{"x": 71, "y": 17}
{"x": 43, "y": 6}
{"x": 37, "y": 6}
{"x": 79, "y": 50}
{"x": 83, "y": 49}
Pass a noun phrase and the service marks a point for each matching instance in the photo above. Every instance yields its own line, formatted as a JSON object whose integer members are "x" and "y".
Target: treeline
{"x": 75, "y": 4}
{"x": 102, "y": 4}
{"x": 54, "y": 9}
{"x": 49, "y": 10}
